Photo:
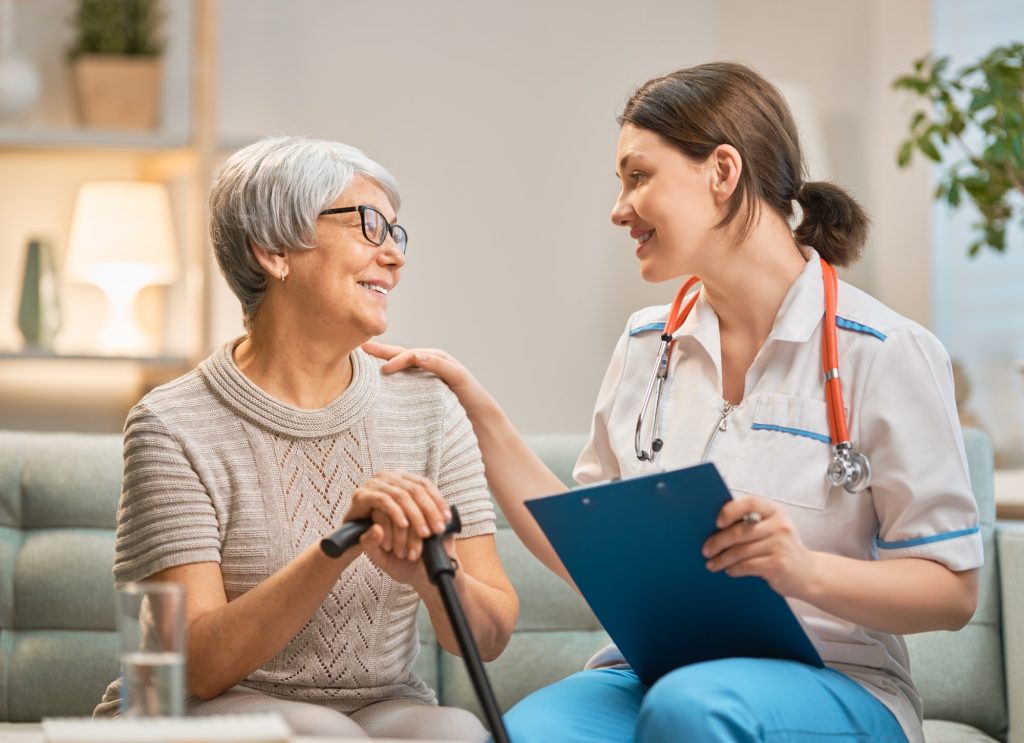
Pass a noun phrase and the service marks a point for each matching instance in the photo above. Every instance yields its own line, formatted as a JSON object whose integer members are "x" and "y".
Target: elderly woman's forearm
{"x": 228, "y": 643}
{"x": 491, "y": 613}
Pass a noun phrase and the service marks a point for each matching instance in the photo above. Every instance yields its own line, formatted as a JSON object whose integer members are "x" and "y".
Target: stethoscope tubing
{"x": 848, "y": 467}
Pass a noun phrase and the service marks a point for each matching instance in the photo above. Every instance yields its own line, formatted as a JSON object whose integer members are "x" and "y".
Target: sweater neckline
{"x": 239, "y": 393}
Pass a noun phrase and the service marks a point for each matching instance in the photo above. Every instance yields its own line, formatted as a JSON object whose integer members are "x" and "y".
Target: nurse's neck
{"x": 746, "y": 284}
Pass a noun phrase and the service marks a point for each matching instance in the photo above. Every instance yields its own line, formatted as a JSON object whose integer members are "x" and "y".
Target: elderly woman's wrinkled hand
{"x": 405, "y": 509}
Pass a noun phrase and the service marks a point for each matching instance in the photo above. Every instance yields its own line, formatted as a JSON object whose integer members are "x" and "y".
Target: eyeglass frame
{"x": 389, "y": 229}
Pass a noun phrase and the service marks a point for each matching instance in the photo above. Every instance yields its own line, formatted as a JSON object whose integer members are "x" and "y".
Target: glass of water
{"x": 151, "y": 624}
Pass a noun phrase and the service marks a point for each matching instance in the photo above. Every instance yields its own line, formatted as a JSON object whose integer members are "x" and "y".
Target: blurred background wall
{"x": 498, "y": 120}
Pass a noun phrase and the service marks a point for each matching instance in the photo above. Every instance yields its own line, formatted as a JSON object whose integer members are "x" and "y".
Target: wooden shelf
{"x": 94, "y": 139}
{"x": 43, "y": 355}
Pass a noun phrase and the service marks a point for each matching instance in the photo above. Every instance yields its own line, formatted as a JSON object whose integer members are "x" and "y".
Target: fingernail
{"x": 421, "y": 357}
{"x": 448, "y": 513}
{"x": 404, "y": 523}
{"x": 439, "y": 526}
{"x": 706, "y": 552}
{"x": 710, "y": 565}
{"x": 412, "y": 555}
{"x": 424, "y": 531}
{"x": 401, "y": 553}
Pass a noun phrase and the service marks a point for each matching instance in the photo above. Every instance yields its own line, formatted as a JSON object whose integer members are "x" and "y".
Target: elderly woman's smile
{"x": 377, "y": 287}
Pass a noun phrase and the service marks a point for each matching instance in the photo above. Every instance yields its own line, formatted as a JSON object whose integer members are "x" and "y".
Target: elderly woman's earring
{"x": 283, "y": 274}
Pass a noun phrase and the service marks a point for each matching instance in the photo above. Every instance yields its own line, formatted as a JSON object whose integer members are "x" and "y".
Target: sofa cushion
{"x": 54, "y": 672}
{"x": 62, "y": 579}
{"x": 38, "y": 472}
{"x": 960, "y": 674}
{"x": 58, "y": 500}
{"x": 941, "y": 731}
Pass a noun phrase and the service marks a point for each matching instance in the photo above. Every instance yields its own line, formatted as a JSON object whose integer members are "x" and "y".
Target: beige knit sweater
{"x": 216, "y": 470}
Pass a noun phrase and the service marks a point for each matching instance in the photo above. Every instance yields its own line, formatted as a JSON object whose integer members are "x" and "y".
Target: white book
{"x": 261, "y": 728}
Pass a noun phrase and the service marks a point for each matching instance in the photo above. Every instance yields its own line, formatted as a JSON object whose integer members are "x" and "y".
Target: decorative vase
{"x": 39, "y": 311}
{"x": 118, "y": 91}
{"x": 19, "y": 79}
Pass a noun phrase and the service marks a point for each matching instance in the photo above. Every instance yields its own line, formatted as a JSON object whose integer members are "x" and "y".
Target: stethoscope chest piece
{"x": 849, "y": 469}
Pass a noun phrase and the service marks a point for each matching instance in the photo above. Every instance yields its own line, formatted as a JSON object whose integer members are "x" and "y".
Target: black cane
{"x": 442, "y": 574}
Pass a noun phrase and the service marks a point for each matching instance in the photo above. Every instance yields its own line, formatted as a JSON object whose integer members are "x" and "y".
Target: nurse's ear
{"x": 725, "y": 166}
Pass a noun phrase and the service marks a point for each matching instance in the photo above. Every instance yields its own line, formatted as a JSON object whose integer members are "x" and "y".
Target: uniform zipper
{"x": 722, "y": 424}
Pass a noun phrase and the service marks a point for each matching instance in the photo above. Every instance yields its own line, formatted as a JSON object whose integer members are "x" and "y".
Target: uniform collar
{"x": 798, "y": 318}
{"x": 804, "y": 305}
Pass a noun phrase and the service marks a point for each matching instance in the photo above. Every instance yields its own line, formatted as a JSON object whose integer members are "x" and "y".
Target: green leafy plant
{"x": 975, "y": 125}
{"x": 124, "y": 27}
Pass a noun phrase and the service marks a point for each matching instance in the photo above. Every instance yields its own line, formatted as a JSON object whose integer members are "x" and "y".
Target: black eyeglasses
{"x": 375, "y": 227}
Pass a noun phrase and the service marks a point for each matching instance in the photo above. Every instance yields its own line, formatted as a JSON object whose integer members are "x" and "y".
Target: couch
{"x": 58, "y": 495}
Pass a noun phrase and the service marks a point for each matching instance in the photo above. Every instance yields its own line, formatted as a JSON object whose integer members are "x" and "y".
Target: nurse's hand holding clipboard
{"x": 767, "y": 547}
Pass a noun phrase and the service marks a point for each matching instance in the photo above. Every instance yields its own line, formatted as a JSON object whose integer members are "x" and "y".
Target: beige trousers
{"x": 391, "y": 718}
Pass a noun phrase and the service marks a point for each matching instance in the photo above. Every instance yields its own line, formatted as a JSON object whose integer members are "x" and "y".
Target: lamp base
{"x": 121, "y": 334}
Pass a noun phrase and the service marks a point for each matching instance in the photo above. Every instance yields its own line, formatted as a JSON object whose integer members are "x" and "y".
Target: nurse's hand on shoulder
{"x": 770, "y": 548}
{"x": 439, "y": 363}
{"x": 405, "y": 509}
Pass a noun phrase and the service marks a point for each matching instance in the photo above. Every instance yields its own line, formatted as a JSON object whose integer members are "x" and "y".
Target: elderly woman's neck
{"x": 295, "y": 369}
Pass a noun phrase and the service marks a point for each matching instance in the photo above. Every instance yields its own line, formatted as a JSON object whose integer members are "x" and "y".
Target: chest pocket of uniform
{"x": 788, "y": 452}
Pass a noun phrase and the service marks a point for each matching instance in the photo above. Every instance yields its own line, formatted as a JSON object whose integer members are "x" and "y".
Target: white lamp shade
{"x": 122, "y": 230}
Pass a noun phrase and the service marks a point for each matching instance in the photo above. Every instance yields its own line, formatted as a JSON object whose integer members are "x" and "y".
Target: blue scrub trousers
{"x": 735, "y": 700}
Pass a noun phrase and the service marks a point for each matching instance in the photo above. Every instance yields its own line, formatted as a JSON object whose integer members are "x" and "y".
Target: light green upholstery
{"x": 58, "y": 495}
{"x": 960, "y": 674}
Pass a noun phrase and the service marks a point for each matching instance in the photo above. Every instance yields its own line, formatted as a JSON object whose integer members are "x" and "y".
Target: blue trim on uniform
{"x": 904, "y": 543}
{"x": 845, "y": 324}
{"x": 794, "y": 431}
{"x": 648, "y": 326}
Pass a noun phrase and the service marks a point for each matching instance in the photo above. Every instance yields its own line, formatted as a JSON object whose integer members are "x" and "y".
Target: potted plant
{"x": 974, "y": 126}
{"x": 116, "y": 63}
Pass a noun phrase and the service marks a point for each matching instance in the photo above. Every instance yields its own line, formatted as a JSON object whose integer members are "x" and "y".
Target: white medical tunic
{"x": 898, "y": 389}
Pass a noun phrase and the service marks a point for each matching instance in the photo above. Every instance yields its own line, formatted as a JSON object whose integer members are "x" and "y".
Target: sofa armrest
{"x": 1010, "y": 541}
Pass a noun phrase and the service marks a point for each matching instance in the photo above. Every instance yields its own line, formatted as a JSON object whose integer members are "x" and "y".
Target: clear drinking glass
{"x": 151, "y": 624}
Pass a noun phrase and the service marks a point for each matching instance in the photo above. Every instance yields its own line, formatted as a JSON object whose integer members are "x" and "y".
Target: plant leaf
{"x": 924, "y": 143}
{"x": 904, "y": 153}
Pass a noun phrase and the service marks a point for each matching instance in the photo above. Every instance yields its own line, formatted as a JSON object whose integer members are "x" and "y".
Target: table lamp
{"x": 122, "y": 240}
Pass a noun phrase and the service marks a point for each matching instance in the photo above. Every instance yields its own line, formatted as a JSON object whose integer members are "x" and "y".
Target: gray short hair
{"x": 270, "y": 194}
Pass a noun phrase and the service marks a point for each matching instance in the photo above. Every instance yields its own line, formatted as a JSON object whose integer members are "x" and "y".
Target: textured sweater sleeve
{"x": 461, "y": 476}
{"x": 165, "y": 516}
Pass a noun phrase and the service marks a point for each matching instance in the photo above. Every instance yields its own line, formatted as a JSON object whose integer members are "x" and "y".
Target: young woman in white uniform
{"x": 867, "y": 521}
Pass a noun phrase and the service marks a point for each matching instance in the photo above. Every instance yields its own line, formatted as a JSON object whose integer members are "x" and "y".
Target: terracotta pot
{"x": 118, "y": 92}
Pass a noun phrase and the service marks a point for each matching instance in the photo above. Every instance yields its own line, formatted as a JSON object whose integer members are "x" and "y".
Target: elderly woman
{"x": 234, "y": 472}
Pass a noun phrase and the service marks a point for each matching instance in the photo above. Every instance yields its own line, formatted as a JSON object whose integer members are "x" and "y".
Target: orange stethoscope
{"x": 848, "y": 468}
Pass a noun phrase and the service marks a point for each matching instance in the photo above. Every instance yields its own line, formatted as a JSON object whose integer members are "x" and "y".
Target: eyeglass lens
{"x": 376, "y": 228}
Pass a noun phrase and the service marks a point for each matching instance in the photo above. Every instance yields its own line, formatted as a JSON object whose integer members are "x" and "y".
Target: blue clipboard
{"x": 612, "y": 537}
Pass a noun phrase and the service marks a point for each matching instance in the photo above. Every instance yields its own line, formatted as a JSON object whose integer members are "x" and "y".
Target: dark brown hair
{"x": 702, "y": 107}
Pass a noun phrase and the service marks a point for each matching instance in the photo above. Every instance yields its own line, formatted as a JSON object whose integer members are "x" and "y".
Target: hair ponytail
{"x": 834, "y": 223}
